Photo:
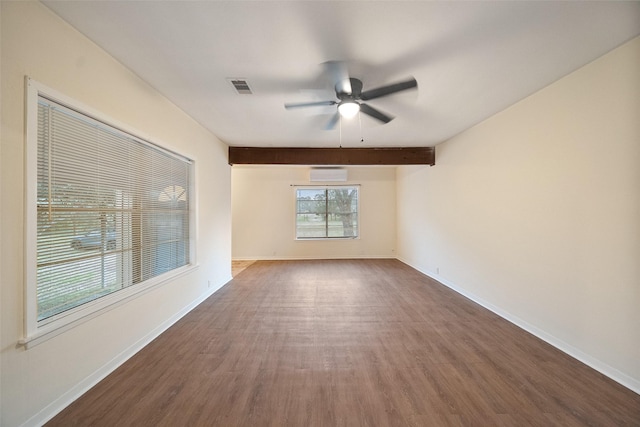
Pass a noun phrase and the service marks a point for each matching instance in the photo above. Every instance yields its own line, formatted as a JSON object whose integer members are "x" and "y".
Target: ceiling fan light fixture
{"x": 348, "y": 109}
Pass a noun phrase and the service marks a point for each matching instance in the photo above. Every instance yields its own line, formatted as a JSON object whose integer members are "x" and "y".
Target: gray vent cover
{"x": 241, "y": 86}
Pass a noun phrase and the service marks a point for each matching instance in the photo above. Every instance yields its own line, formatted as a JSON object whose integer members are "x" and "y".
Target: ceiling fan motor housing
{"x": 356, "y": 90}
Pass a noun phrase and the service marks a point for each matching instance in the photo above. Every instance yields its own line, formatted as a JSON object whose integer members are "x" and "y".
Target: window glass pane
{"x": 310, "y": 213}
{"x": 112, "y": 211}
{"x": 327, "y": 212}
{"x": 343, "y": 214}
{"x": 76, "y": 260}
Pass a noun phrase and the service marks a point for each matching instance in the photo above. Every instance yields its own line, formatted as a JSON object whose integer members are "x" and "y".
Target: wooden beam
{"x": 331, "y": 156}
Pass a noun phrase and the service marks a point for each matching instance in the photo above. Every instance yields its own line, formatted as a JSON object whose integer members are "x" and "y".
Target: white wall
{"x": 38, "y": 382}
{"x": 263, "y": 211}
{"x": 536, "y": 214}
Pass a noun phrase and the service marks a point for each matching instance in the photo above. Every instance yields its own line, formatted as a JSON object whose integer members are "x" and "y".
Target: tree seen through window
{"x": 327, "y": 212}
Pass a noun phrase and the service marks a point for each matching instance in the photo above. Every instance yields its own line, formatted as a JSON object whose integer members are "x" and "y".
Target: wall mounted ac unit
{"x": 327, "y": 175}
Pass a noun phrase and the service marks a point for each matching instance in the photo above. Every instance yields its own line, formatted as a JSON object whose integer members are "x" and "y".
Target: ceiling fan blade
{"x": 356, "y": 87}
{"x": 376, "y": 114}
{"x": 332, "y": 122}
{"x": 309, "y": 104}
{"x": 388, "y": 90}
{"x": 339, "y": 75}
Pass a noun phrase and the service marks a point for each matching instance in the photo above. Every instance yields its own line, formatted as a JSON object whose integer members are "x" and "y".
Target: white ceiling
{"x": 471, "y": 59}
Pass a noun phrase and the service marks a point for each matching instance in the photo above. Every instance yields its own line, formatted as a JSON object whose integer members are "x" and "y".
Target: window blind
{"x": 112, "y": 209}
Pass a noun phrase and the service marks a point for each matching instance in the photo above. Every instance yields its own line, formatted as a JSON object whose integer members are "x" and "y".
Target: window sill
{"x": 303, "y": 239}
{"x": 63, "y": 322}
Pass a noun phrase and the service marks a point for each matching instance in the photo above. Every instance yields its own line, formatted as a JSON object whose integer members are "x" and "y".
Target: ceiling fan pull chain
{"x": 340, "y": 128}
{"x": 360, "y": 123}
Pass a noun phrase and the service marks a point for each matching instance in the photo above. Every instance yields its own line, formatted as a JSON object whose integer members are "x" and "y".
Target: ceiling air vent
{"x": 241, "y": 86}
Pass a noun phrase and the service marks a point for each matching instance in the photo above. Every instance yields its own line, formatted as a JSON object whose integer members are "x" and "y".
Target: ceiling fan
{"x": 350, "y": 95}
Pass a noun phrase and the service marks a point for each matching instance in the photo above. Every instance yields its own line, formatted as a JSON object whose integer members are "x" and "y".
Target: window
{"x": 108, "y": 213}
{"x": 327, "y": 212}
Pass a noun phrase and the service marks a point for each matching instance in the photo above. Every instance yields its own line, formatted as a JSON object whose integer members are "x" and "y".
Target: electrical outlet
{"x": 437, "y": 270}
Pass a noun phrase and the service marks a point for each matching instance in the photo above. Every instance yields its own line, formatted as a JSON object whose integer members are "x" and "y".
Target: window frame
{"x": 34, "y": 331}
{"x": 325, "y": 187}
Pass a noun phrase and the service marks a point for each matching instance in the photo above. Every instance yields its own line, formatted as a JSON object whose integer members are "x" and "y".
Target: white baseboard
{"x": 83, "y": 386}
{"x": 307, "y": 258}
{"x": 609, "y": 371}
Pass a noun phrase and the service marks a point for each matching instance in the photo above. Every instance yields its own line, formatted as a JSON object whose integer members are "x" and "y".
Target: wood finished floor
{"x": 238, "y": 265}
{"x": 348, "y": 343}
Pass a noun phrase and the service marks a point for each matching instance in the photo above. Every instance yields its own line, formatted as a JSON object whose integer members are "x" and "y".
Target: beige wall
{"x": 38, "y": 382}
{"x": 536, "y": 213}
{"x": 263, "y": 211}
